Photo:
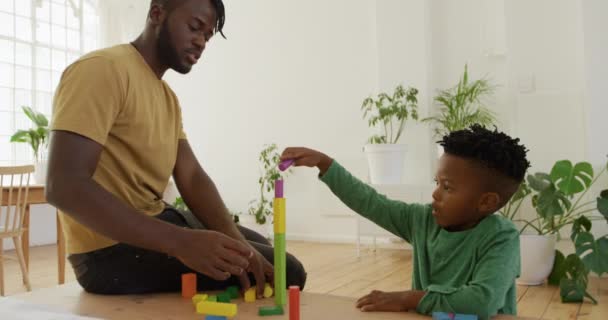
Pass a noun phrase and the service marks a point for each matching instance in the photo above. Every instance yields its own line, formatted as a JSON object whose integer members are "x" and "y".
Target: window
{"x": 38, "y": 39}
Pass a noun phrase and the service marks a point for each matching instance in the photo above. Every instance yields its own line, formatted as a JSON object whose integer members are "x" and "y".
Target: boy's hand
{"x": 307, "y": 157}
{"x": 390, "y": 301}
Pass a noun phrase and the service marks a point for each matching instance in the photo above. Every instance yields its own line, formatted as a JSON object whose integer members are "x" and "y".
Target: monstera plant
{"x": 561, "y": 198}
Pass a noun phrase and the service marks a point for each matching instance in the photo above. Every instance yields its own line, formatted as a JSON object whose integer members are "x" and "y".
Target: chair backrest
{"x": 14, "y": 189}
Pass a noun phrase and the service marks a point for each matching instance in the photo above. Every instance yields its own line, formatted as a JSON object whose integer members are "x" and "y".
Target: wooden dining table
{"x": 36, "y": 196}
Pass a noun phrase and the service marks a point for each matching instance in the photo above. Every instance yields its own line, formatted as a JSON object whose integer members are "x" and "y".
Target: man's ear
{"x": 488, "y": 202}
{"x": 157, "y": 14}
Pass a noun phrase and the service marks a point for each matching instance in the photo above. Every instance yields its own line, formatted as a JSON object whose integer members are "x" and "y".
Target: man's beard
{"x": 167, "y": 53}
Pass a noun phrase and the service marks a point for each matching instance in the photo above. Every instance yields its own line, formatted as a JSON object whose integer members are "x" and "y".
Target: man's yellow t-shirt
{"x": 113, "y": 97}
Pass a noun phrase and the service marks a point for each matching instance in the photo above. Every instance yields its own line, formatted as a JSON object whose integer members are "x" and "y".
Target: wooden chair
{"x": 14, "y": 182}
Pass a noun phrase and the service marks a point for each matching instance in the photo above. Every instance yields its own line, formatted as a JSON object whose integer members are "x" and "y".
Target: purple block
{"x": 278, "y": 188}
{"x": 285, "y": 164}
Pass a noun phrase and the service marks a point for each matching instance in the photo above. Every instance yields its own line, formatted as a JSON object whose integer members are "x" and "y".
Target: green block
{"x": 280, "y": 275}
{"x": 270, "y": 311}
{"x": 223, "y": 297}
{"x": 212, "y": 298}
{"x": 234, "y": 291}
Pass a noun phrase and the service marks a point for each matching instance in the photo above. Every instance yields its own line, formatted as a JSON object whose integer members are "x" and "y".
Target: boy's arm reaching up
{"x": 394, "y": 216}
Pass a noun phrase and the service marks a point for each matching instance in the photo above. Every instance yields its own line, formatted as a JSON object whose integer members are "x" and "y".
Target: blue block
{"x": 453, "y": 316}
{"x": 215, "y": 318}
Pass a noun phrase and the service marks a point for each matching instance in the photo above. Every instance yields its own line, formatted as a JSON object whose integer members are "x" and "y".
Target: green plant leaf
{"x": 21, "y": 136}
{"x": 552, "y": 202}
{"x": 572, "y": 180}
{"x": 539, "y": 181}
{"x": 573, "y": 291}
{"x": 602, "y": 204}
{"x": 594, "y": 253}
{"x": 559, "y": 269}
{"x": 581, "y": 224}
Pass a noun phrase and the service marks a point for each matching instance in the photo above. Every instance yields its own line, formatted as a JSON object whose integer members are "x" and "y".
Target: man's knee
{"x": 296, "y": 274}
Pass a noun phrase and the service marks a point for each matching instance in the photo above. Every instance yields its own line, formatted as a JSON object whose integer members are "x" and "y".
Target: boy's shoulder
{"x": 496, "y": 228}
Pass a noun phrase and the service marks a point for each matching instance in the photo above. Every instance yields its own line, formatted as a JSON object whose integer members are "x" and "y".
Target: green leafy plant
{"x": 391, "y": 112}
{"x": 36, "y": 137}
{"x": 180, "y": 204}
{"x": 462, "y": 106}
{"x": 261, "y": 207}
{"x": 559, "y": 200}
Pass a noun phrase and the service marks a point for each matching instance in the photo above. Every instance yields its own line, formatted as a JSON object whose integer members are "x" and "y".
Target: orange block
{"x": 294, "y": 303}
{"x": 188, "y": 285}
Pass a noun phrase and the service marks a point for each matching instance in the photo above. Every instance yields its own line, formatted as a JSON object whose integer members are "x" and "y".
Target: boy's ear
{"x": 488, "y": 202}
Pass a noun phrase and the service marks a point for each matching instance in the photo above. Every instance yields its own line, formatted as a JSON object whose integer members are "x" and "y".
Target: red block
{"x": 294, "y": 303}
{"x": 188, "y": 285}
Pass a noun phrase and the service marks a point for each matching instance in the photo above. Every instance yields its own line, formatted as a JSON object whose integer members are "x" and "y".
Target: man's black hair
{"x": 218, "y": 5}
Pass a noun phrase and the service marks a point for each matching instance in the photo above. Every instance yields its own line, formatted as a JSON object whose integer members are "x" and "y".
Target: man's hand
{"x": 262, "y": 271}
{"x": 307, "y": 157}
{"x": 390, "y": 301}
{"x": 213, "y": 253}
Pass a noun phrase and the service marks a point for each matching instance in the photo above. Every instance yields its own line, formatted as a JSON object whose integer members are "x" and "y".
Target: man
{"x": 116, "y": 139}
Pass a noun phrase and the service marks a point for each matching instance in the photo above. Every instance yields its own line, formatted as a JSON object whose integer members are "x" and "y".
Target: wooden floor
{"x": 335, "y": 269}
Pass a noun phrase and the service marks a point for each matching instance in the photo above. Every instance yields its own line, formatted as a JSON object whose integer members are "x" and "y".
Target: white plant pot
{"x": 537, "y": 257}
{"x": 40, "y": 169}
{"x": 385, "y": 162}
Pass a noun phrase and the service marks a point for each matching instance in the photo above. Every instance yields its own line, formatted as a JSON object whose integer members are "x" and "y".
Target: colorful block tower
{"x": 280, "y": 275}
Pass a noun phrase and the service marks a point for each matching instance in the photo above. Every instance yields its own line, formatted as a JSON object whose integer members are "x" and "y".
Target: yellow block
{"x": 216, "y": 308}
{"x": 250, "y": 294}
{"x": 268, "y": 290}
{"x": 279, "y": 215}
{"x": 199, "y": 297}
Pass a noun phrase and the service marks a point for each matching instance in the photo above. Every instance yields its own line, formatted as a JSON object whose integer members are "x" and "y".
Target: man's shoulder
{"x": 116, "y": 57}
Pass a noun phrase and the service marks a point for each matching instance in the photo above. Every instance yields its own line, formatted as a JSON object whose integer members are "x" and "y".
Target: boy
{"x": 466, "y": 258}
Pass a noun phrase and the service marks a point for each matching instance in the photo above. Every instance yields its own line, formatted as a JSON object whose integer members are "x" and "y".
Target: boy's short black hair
{"x": 220, "y": 11}
{"x": 493, "y": 150}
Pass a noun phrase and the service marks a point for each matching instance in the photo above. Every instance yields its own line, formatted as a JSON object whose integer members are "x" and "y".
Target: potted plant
{"x": 462, "y": 106}
{"x": 389, "y": 114}
{"x": 37, "y": 138}
{"x": 260, "y": 209}
{"x": 560, "y": 200}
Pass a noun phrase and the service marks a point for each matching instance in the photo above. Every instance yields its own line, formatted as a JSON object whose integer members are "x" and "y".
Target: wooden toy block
{"x": 453, "y": 316}
{"x": 216, "y": 308}
{"x": 188, "y": 285}
{"x": 279, "y": 221}
{"x": 294, "y": 303}
{"x": 270, "y": 311}
{"x": 212, "y": 298}
{"x": 268, "y": 292}
{"x": 280, "y": 276}
{"x": 198, "y": 298}
{"x": 250, "y": 294}
{"x": 234, "y": 292}
{"x": 223, "y": 297}
{"x": 215, "y": 318}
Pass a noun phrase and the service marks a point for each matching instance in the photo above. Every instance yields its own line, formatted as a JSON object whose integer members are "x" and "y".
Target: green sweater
{"x": 470, "y": 272}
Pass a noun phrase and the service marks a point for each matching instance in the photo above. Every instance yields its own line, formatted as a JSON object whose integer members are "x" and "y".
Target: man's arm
{"x": 200, "y": 194}
{"x": 203, "y": 199}
{"x": 71, "y": 188}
